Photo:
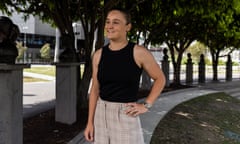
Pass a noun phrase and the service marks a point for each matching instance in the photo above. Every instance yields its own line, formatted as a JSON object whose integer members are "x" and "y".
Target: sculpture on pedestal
{"x": 8, "y": 35}
{"x": 69, "y": 53}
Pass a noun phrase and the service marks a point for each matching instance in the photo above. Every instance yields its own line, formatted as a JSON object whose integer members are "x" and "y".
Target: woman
{"x": 113, "y": 111}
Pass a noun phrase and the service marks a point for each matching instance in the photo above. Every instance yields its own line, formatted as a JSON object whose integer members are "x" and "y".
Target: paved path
{"x": 40, "y": 96}
{"x": 169, "y": 100}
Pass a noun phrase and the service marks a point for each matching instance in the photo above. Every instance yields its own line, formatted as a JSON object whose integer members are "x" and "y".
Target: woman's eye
{"x": 113, "y": 22}
{"x": 116, "y": 23}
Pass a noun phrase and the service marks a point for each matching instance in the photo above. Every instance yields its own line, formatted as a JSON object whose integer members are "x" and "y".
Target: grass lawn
{"x": 48, "y": 70}
{"x": 42, "y": 70}
{"x": 30, "y": 79}
{"x": 209, "y": 119}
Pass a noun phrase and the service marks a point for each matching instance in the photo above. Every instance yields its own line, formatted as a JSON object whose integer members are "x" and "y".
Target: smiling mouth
{"x": 110, "y": 32}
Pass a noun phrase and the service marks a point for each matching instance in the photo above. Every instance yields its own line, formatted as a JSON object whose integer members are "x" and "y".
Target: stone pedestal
{"x": 201, "y": 70}
{"x": 66, "y": 92}
{"x": 165, "y": 69}
{"x": 189, "y": 73}
{"x": 11, "y": 94}
{"x": 229, "y": 69}
{"x": 189, "y": 69}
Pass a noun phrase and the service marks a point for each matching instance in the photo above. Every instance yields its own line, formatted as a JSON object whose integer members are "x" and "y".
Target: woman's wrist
{"x": 147, "y": 105}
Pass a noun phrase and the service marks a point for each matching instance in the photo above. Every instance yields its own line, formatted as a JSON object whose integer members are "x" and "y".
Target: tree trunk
{"x": 100, "y": 33}
{"x": 215, "y": 69}
{"x": 177, "y": 70}
{"x": 215, "y": 57}
{"x": 84, "y": 87}
{"x": 176, "y": 74}
{"x": 84, "y": 84}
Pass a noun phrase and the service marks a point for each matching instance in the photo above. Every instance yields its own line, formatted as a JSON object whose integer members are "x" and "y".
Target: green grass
{"x": 30, "y": 79}
{"x": 209, "y": 119}
{"x": 50, "y": 71}
{"x": 42, "y": 70}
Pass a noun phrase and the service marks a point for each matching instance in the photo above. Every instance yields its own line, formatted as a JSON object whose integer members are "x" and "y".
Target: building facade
{"x": 34, "y": 33}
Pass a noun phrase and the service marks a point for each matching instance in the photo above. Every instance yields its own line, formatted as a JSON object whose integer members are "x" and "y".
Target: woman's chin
{"x": 112, "y": 38}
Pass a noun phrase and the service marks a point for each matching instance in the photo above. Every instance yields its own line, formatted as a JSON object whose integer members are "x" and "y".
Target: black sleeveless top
{"x": 118, "y": 75}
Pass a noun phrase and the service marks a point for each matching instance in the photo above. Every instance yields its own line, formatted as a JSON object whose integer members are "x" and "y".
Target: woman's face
{"x": 116, "y": 26}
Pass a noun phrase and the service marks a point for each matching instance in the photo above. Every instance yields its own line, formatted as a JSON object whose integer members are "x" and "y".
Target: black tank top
{"x": 118, "y": 75}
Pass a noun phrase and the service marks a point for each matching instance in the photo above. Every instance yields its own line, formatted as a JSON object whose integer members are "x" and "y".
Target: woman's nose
{"x": 110, "y": 25}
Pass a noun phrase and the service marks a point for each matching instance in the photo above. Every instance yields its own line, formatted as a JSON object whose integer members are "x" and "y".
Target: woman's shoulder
{"x": 142, "y": 54}
{"x": 139, "y": 49}
{"x": 97, "y": 55}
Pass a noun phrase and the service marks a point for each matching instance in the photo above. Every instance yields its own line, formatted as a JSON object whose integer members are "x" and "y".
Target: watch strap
{"x": 147, "y": 105}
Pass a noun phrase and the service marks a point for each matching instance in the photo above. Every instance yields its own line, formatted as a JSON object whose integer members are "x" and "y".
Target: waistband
{"x": 118, "y": 105}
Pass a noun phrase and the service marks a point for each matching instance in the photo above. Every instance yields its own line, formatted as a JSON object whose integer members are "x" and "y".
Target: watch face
{"x": 147, "y": 105}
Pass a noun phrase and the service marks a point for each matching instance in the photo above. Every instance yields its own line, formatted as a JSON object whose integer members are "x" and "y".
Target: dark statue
{"x": 69, "y": 54}
{"x": 8, "y": 35}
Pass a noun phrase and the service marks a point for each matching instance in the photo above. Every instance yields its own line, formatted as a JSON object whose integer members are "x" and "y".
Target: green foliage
{"x": 184, "y": 60}
{"x": 145, "y": 15}
{"x": 221, "y": 62}
{"x": 234, "y": 63}
{"x": 196, "y": 49}
{"x": 236, "y": 6}
{"x": 208, "y": 61}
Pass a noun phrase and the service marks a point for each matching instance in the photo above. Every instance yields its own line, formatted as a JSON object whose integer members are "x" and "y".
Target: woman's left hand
{"x": 135, "y": 109}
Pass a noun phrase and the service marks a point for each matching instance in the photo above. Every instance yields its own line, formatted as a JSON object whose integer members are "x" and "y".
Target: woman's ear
{"x": 129, "y": 26}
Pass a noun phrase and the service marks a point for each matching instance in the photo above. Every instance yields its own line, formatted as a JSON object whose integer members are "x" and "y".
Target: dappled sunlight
{"x": 209, "y": 126}
{"x": 187, "y": 115}
{"x": 220, "y": 100}
{"x": 205, "y": 124}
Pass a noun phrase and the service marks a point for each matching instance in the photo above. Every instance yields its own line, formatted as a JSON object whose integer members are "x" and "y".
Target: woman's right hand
{"x": 89, "y": 132}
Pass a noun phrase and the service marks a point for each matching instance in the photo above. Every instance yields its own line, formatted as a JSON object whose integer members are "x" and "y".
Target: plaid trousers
{"x": 113, "y": 126}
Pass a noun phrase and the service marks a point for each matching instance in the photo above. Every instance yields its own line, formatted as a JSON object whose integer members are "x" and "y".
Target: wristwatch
{"x": 147, "y": 105}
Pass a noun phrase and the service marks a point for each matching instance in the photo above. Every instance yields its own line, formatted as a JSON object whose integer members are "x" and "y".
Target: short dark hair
{"x": 125, "y": 12}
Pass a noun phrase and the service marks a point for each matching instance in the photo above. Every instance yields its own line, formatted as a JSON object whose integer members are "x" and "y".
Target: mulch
{"x": 42, "y": 128}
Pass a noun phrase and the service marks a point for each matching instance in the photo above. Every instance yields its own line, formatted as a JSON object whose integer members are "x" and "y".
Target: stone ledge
{"x": 4, "y": 67}
{"x": 68, "y": 64}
